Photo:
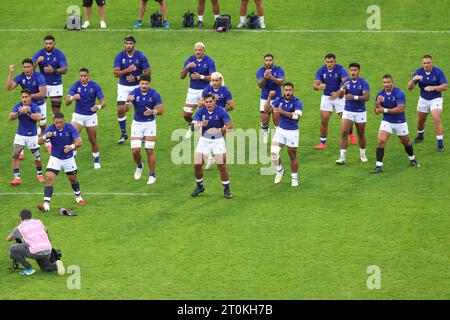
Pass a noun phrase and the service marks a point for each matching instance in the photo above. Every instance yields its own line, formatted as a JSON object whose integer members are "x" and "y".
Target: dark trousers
{"x": 19, "y": 252}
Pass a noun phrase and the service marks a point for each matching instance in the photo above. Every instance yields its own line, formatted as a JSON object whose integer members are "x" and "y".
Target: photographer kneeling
{"x": 32, "y": 242}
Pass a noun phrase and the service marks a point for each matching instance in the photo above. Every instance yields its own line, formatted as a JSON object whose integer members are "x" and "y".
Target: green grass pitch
{"x": 268, "y": 242}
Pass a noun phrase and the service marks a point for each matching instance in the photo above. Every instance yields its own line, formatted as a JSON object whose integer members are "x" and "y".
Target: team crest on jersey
{"x": 23, "y": 81}
{"x": 138, "y": 98}
{"x": 335, "y": 75}
{"x": 123, "y": 60}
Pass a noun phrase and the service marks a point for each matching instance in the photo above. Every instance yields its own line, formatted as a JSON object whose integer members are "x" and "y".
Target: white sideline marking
{"x": 84, "y": 193}
{"x": 263, "y": 31}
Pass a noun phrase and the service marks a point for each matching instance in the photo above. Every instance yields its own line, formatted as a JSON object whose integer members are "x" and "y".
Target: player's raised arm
{"x": 10, "y": 83}
{"x": 267, "y": 106}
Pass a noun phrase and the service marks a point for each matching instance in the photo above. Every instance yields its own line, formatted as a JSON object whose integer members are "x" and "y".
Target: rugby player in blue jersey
{"x": 129, "y": 66}
{"x": 28, "y": 114}
{"x": 214, "y": 122}
{"x": 224, "y": 99}
{"x": 290, "y": 109}
{"x": 270, "y": 78}
{"x": 86, "y": 92}
{"x": 52, "y": 64}
{"x": 432, "y": 83}
{"x": 65, "y": 139}
{"x": 35, "y": 82}
{"x": 356, "y": 91}
{"x": 147, "y": 105}
{"x": 390, "y": 102}
{"x": 329, "y": 79}
{"x": 199, "y": 67}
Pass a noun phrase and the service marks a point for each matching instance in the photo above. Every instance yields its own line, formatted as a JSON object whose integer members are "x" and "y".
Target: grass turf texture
{"x": 268, "y": 242}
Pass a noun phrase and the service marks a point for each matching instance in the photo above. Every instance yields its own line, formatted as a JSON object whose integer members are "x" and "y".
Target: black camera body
{"x": 188, "y": 20}
{"x": 252, "y": 21}
{"x": 156, "y": 20}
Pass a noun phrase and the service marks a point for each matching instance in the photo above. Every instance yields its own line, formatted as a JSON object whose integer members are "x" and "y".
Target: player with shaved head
{"x": 199, "y": 67}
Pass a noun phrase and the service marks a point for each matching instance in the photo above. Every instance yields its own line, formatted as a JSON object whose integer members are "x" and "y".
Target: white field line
{"x": 144, "y": 194}
{"x": 262, "y": 31}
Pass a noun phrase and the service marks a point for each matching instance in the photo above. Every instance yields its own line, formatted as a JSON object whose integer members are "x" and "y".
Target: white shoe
{"x": 240, "y": 25}
{"x": 210, "y": 162}
{"x": 102, "y": 24}
{"x": 266, "y": 136}
{"x": 279, "y": 176}
{"x": 341, "y": 160}
{"x": 138, "y": 173}
{"x": 262, "y": 25}
{"x": 46, "y": 206}
{"x": 85, "y": 25}
{"x": 79, "y": 200}
{"x": 60, "y": 266}
{"x": 363, "y": 158}
{"x": 294, "y": 183}
{"x": 188, "y": 134}
{"x": 151, "y": 180}
{"x": 97, "y": 165}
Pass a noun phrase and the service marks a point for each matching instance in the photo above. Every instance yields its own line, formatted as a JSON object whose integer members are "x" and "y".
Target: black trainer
{"x": 414, "y": 163}
{"x": 197, "y": 191}
{"x": 123, "y": 138}
{"x": 440, "y": 149}
{"x": 227, "y": 194}
{"x": 200, "y": 24}
{"x": 418, "y": 140}
{"x": 377, "y": 169}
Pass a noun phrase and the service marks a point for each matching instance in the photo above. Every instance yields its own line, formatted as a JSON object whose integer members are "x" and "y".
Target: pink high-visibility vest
{"x": 33, "y": 232}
